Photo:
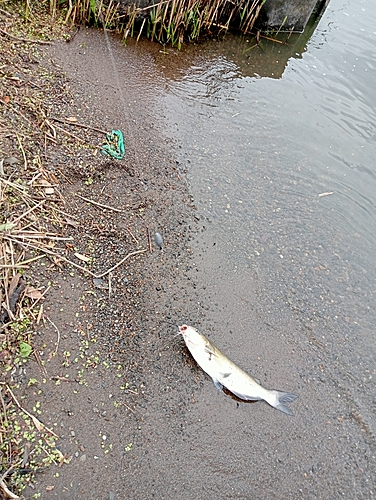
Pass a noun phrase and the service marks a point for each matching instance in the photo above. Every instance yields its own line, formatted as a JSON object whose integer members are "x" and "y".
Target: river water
{"x": 278, "y": 146}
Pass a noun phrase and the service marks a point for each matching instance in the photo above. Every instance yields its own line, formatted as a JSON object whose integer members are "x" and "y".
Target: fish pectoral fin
{"x": 218, "y": 385}
{"x": 210, "y": 352}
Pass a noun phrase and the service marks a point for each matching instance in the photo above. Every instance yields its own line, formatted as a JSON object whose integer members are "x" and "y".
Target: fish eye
{"x": 184, "y": 327}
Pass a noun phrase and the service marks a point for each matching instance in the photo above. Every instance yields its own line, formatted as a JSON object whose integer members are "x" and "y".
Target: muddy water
{"x": 277, "y": 146}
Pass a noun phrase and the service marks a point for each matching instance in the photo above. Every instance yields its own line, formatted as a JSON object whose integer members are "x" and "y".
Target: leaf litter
{"x": 33, "y": 228}
{"x": 45, "y": 222}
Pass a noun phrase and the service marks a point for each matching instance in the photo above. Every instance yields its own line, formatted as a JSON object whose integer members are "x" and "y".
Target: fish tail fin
{"x": 279, "y": 399}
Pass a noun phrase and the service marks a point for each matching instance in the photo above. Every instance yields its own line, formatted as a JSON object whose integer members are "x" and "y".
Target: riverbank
{"x": 94, "y": 338}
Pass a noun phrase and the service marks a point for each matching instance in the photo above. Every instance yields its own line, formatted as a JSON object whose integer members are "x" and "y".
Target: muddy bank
{"x": 138, "y": 419}
{"x": 102, "y": 354}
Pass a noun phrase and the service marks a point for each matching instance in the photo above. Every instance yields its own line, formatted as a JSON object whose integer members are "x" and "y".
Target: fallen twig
{"x": 18, "y": 112}
{"x": 35, "y": 236}
{"x": 129, "y": 408}
{"x": 4, "y": 407}
{"x": 23, "y": 151}
{"x": 7, "y": 491}
{"x": 58, "y": 334}
{"x": 39, "y": 361}
{"x": 19, "y": 39}
{"x": 68, "y": 122}
{"x": 9, "y": 470}
{"x": 19, "y": 187}
{"x": 109, "y": 285}
{"x": 38, "y": 424}
{"x": 54, "y": 254}
{"x": 149, "y": 240}
{"x": 28, "y": 211}
{"x": 13, "y": 266}
{"x": 72, "y": 135}
{"x": 134, "y": 238}
{"x": 99, "y": 204}
{"x": 64, "y": 213}
{"x": 41, "y": 296}
{"x": 64, "y": 379}
{"x": 6, "y": 13}
{"x": 119, "y": 263}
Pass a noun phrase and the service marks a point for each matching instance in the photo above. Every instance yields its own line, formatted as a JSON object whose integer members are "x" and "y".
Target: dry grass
{"x": 167, "y": 21}
{"x": 32, "y": 226}
{"x": 34, "y": 221}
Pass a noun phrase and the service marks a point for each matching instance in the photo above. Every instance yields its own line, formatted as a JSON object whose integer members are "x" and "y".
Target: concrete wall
{"x": 296, "y": 12}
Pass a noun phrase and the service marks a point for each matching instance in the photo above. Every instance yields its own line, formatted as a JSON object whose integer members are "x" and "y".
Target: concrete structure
{"x": 286, "y": 15}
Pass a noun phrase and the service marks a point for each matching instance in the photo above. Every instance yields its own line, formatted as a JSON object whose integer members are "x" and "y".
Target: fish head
{"x": 192, "y": 337}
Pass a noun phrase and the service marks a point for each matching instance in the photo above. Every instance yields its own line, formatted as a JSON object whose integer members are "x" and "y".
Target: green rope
{"x": 114, "y": 145}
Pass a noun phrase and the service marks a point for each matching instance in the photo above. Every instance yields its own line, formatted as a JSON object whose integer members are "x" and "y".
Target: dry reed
{"x": 166, "y": 21}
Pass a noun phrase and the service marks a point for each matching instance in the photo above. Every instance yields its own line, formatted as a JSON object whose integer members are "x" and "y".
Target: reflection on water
{"x": 267, "y": 57}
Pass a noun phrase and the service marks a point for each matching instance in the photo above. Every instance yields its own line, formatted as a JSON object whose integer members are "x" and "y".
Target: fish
{"x": 225, "y": 373}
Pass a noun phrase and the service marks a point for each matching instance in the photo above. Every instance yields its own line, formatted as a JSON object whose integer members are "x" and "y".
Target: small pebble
{"x": 99, "y": 283}
{"x": 11, "y": 160}
{"x": 158, "y": 240}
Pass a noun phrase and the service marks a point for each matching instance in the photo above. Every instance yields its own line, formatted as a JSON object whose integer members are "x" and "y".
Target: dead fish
{"x": 158, "y": 240}
{"x": 226, "y": 374}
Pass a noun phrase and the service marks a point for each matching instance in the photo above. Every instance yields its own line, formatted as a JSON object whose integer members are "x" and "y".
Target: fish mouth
{"x": 183, "y": 330}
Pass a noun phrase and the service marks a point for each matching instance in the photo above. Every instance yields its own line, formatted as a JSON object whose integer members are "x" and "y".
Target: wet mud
{"x": 161, "y": 429}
